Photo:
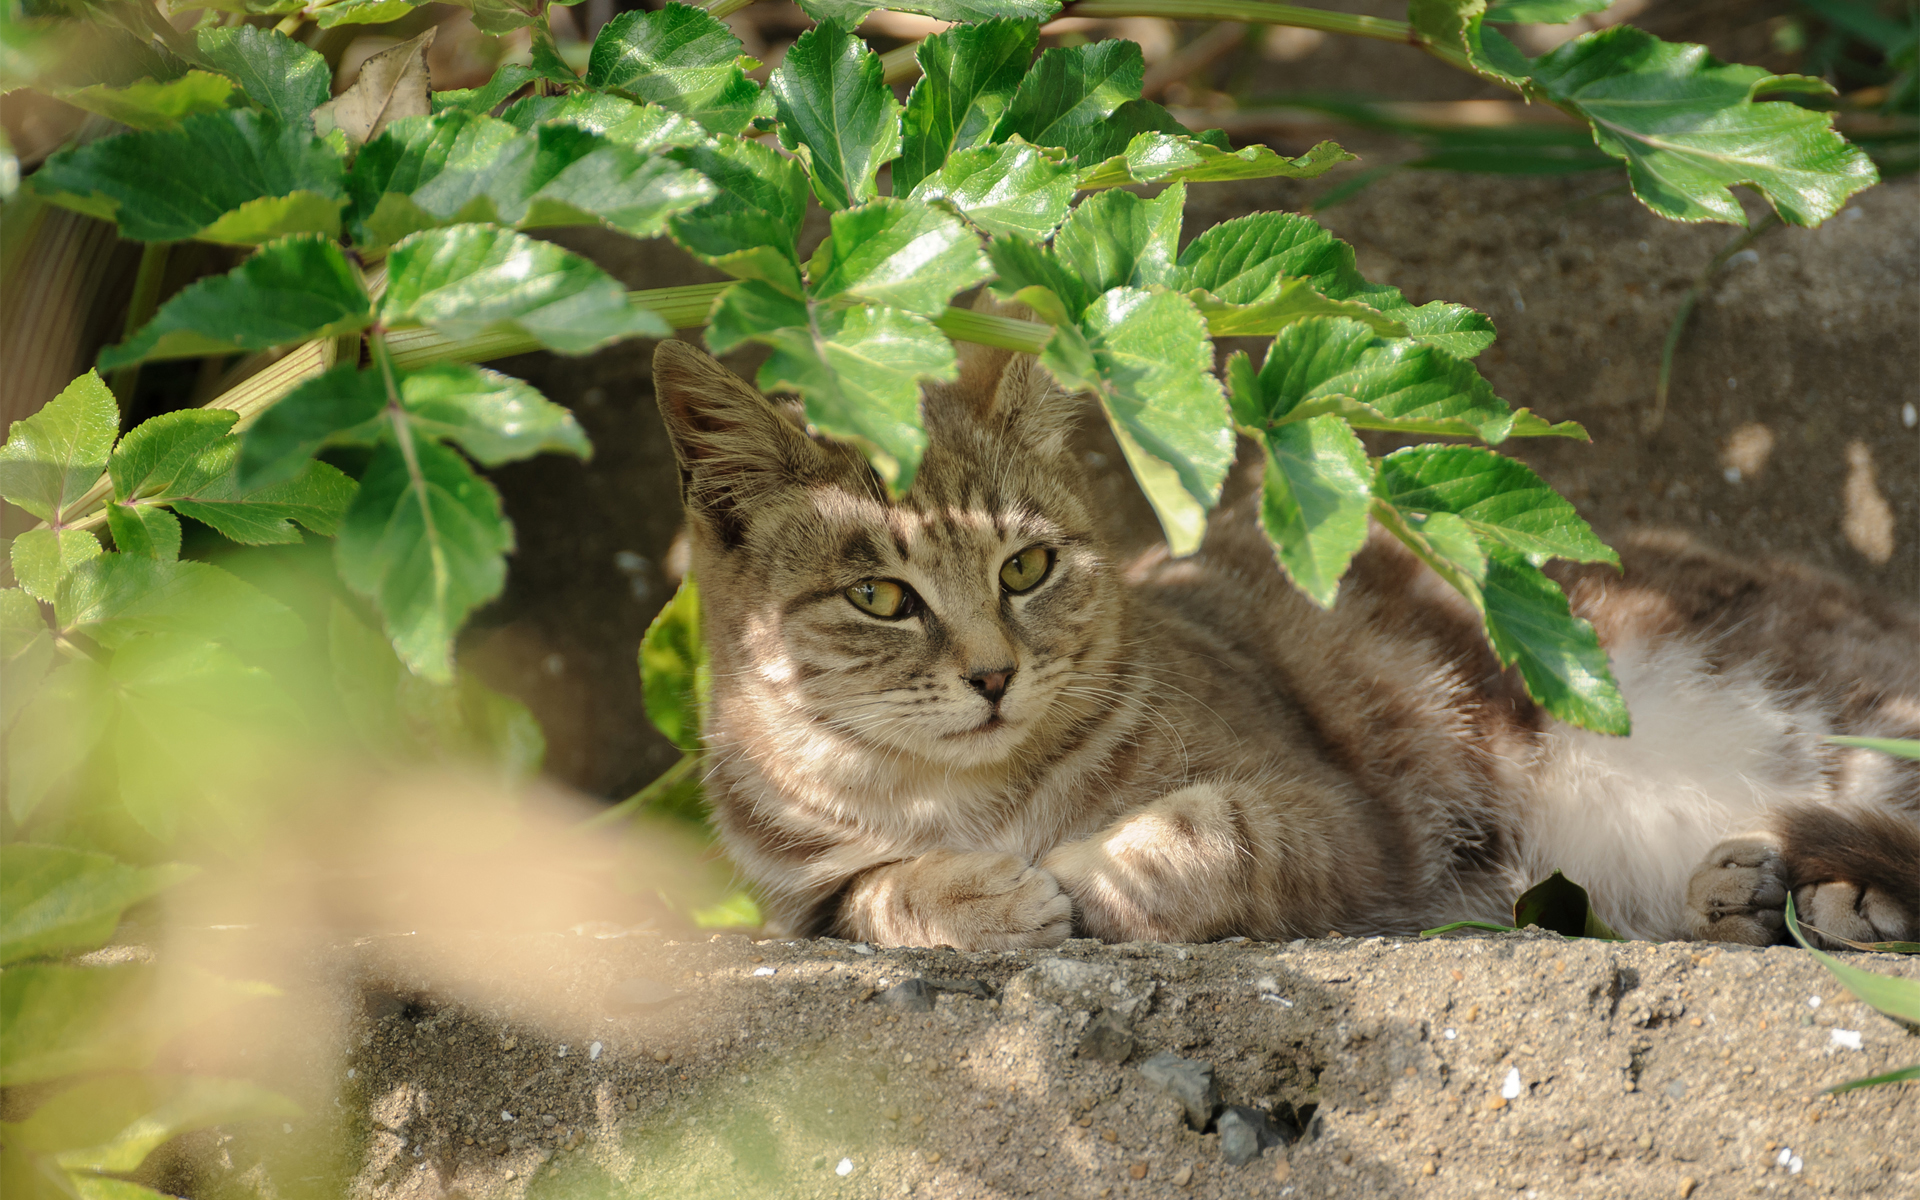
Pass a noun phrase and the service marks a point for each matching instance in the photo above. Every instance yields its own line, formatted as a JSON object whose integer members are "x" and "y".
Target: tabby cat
{"x": 953, "y": 719}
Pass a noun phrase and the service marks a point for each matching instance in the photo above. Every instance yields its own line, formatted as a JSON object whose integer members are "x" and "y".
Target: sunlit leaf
{"x": 144, "y": 529}
{"x": 681, "y": 58}
{"x": 1117, "y": 239}
{"x": 118, "y": 596}
{"x": 343, "y": 406}
{"x": 1542, "y": 12}
{"x": 495, "y": 418}
{"x": 1179, "y": 158}
{"x": 898, "y": 253}
{"x": 56, "y": 899}
{"x": 392, "y": 84}
{"x": 673, "y": 668}
{"x": 153, "y": 104}
{"x": 1506, "y": 504}
{"x": 1071, "y": 92}
{"x": 1008, "y": 188}
{"x": 837, "y": 113}
{"x": 968, "y": 74}
{"x": 41, "y": 558}
{"x": 279, "y": 74}
{"x": 1314, "y": 502}
{"x": 54, "y": 456}
{"x": 508, "y": 79}
{"x": 749, "y": 229}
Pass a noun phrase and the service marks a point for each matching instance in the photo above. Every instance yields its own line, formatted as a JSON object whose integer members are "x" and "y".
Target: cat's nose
{"x": 991, "y": 684}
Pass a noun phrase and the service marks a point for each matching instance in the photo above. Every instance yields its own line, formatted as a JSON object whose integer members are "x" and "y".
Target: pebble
{"x": 1246, "y": 1131}
{"x": 1187, "y": 1080}
{"x": 909, "y": 995}
{"x": 1183, "y": 1176}
{"x": 1687, "y": 1185}
{"x": 1138, "y": 1170}
{"x": 1107, "y": 1039}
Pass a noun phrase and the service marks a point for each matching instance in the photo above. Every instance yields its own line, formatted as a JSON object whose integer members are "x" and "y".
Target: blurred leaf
{"x": 153, "y": 104}
{"x": 41, "y": 558}
{"x": 366, "y": 673}
{"x": 837, "y": 113}
{"x": 1117, "y": 239}
{"x": 26, "y": 651}
{"x": 1897, "y": 998}
{"x": 427, "y": 548}
{"x": 54, "y": 735}
{"x": 1008, "y": 188}
{"x": 736, "y": 911}
{"x": 1179, "y": 158}
{"x": 392, "y": 84}
{"x": 363, "y": 12}
{"x": 343, "y": 406}
{"x": 1542, "y": 12}
{"x": 118, "y": 596}
{"x": 505, "y": 16}
{"x": 674, "y": 672}
{"x": 897, "y": 253}
{"x": 54, "y": 456}
{"x": 681, "y": 58}
{"x": 858, "y": 369}
{"x": 1502, "y": 500}
{"x": 1559, "y": 904}
{"x": 749, "y": 229}
{"x": 1899, "y": 747}
{"x": 145, "y": 530}
{"x": 1690, "y": 127}
{"x": 508, "y": 79}
{"x": 495, "y": 418}
{"x": 472, "y": 279}
{"x": 1314, "y": 502}
{"x": 62, "y": 1020}
{"x": 113, "y": 1124}
{"x": 55, "y": 899}
{"x": 968, "y": 74}
{"x": 279, "y": 74}
{"x": 292, "y": 290}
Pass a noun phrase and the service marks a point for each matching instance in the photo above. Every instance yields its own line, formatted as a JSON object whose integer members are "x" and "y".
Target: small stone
{"x": 910, "y": 995}
{"x": 932, "y": 1156}
{"x": 917, "y": 1119}
{"x": 1189, "y": 1081}
{"x": 1183, "y": 1176}
{"x": 1496, "y": 1104}
{"x": 1085, "y": 1121}
{"x": 891, "y": 1112}
{"x": 1107, "y": 1039}
{"x": 1245, "y": 1132}
{"x": 1687, "y": 1185}
{"x": 1281, "y": 1168}
{"x": 1427, "y": 1168}
{"x": 1109, "y": 1135}
{"x": 1138, "y": 1170}
{"x": 661, "y": 1056}
{"x": 512, "y": 1044}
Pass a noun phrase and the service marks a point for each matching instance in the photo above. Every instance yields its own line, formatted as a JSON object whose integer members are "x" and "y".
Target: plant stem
{"x": 726, "y": 8}
{"x": 1687, "y": 302}
{"x": 1262, "y": 13}
{"x": 140, "y": 305}
{"x": 403, "y": 435}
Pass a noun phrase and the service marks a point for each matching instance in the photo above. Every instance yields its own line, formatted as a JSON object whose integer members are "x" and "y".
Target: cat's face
{"x": 953, "y": 625}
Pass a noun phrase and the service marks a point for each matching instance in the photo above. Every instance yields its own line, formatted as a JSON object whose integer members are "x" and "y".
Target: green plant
{"x": 1556, "y": 904}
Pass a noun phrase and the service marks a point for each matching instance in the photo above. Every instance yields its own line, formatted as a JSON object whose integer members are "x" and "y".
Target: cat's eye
{"x": 1024, "y": 571}
{"x": 881, "y": 597}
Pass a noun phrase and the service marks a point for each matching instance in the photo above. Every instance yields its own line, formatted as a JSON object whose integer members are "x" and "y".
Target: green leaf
{"x": 279, "y": 74}
{"x": 1542, "y": 12}
{"x": 750, "y": 228}
{"x": 1284, "y": 302}
{"x": 292, "y": 290}
{"x": 736, "y": 911}
{"x": 898, "y": 253}
{"x": 56, "y": 734}
{"x": 643, "y": 127}
{"x": 851, "y": 12}
{"x": 495, "y": 418}
{"x": 681, "y": 58}
{"x": 1503, "y": 501}
{"x": 1457, "y": 24}
{"x": 472, "y": 279}
{"x": 392, "y": 84}
{"x": 55, "y": 899}
{"x": 1155, "y": 378}
{"x": 343, "y": 406}
{"x": 1009, "y": 188}
{"x": 43, "y": 557}
{"x": 1323, "y": 365}
{"x": 428, "y": 546}
{"x": 118, "y": 596}
{"x": 1899, "y": 747}
{"x": 858, "y": 370}
{"x": 674, "y": 673}
{"x": 53, "y": 457}
{"x": 1178, "y": 158}
{"x": 1070, "y": 93}
{"x": 1116, "y": 239}
{"x": 144, "y": 529}
{"x": 363, "y": 12}
{"x": 262, "y": 515}
{"x": 156, "y": 453}
{"x": 61, "y": 1020}
{"x": 1559, "y": 904}
{"x": 1900, "y": 1076}
{"x": 505, "y": 16}
{"x": 837, "y": 113}
{"x": 114, "y": 1123}
{"x": 1690, "y": 127}
{"x": 1559, "y": 656}
{"x": 480, "y": 101}
{"x": 150, "y": 103}
{"x": 1897, "y": 998}
{"x": 968, "y": 74}
{"x": 1314, "y": 502}
{"x": 26, "y": 651}
{"x": 1026, "y": 270}
{"x": 627, "y": 190}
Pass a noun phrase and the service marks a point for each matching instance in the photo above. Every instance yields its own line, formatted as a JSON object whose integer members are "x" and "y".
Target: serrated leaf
{"x": 1690, "y": 127}
{"x": 56, "y": 899}
{"x": 495, "y": 418}
{"x": 480, "y": 101}
{"x": 1559, "y": 655}
{"x": 343, "y": 406}
{"x": 43, "y": 557}
{"x": 316, "y": 497}
{"x": 279, "y": 74}
{"x": 1117, "y": 239}
{"x": 392, "y": 84}
{"x": 1071, "y": 92}
{"x": 26, "y": 651}
{"x": 1457, "y": 24}
{"x": 427, "y": 550}
{"x": 1009, "y": 188}
{"x": 157, "y": 452}
{"x": 681, "y": 58}
{"x": 1034, "y": 275}
{"x": 674, "y": 674}
{"x": 472, "y": 279}
{"x": 643, "y": 127}
{"x": 858, "y": 370}
{"x": 54, "y": 456}
{"x": 1314, "y": 502}
{"x": 505, "y": 16}
{"x": 116, "y": 597}
{"x": 151, "y": 103}
{"x": 968, "y": 75}
{"x": 837, "y": 113}
{"x": 1542, "y": 12}
{"x": 260, "y": 221}
{"x": 851, "y": 12}
{"x": 897, "y": 253}
{"x": 56, "y": 734}
{"x": 1155, "y": 379}
{"x": 114, "y": 1123}
{"x": 145, "y": 530}
{"x": 296, "y": 289}
{"x": 749, "y": 229}
{"x": 633, "y": 192}
{"x": 363, "y": 12}
{"x": 1285, "y": 301}
{"x": 1506, "y": 504}
{"x": 1178, "y": 158}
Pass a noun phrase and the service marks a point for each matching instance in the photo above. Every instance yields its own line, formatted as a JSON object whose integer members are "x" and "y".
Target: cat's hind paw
{"x": 1739, "y": 893}
{"x": 1839, "y": 911}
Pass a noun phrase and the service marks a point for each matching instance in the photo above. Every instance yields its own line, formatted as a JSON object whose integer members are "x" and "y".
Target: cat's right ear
{"x": 734, "y": 449}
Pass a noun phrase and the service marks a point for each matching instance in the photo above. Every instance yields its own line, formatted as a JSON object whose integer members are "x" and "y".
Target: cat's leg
{"x": 1853, "y": 874}
{"x": 970, "y": 900}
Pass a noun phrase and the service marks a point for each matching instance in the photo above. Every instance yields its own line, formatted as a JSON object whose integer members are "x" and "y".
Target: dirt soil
{"x": 1508, "y": 1065}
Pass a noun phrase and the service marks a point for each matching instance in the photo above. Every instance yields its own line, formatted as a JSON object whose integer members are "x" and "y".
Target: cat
{"x": 952, "y": 719}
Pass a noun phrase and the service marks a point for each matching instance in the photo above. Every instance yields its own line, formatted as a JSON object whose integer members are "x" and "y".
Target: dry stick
{"x": 1687, "y": 302}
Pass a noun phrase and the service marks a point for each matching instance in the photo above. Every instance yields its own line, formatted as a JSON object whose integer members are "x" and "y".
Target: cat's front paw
{"x": 1739, "y": 893}
{"x": 975, "y": 900}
